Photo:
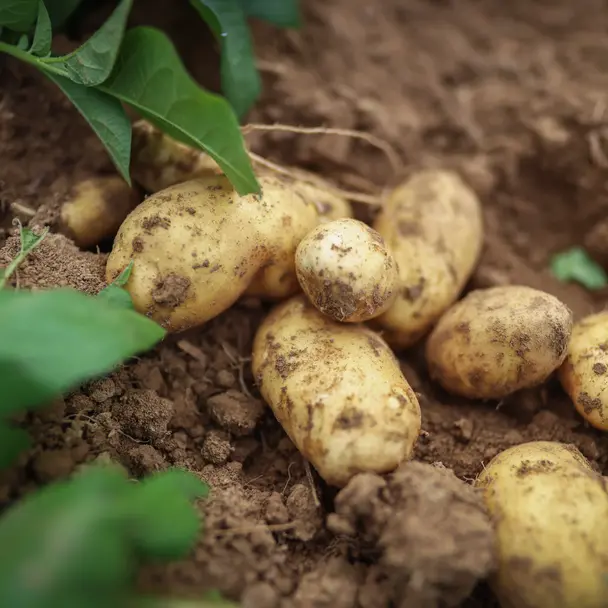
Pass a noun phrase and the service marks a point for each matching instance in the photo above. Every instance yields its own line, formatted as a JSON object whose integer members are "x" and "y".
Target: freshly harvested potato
{"x": 95, "y": 209}
{"x": 499, "y": 340}
{"x": 330, "y": 206}
{"x": 159, "y": 161}
{"x": 337, "y": 390}
{"x": 433, "y": 225}
{"x": 346, "y": 270}
{"x": 584, "y": 373}
{"x": 197, "y": 246}
{"x": 551, "y": 514}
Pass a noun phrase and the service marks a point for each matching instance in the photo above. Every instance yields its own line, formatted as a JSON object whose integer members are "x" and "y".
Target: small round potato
{"x": 198, "y": 245}
{"x": 337, "y": 390}
{"x": 346, "y": 270}
{"x": 433, "y": 225}
{"x": 96, "y": 208}
{"x": 551, "y": 514}
{"x": 584, "y": 373}
{"x": 497, "y": 341}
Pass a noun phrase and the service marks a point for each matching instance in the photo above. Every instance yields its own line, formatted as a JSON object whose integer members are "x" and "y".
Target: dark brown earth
{"x": 513, "y": 95}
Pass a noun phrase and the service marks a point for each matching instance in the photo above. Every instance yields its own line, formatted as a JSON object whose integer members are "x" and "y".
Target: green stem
{"x": 35, "y": 61}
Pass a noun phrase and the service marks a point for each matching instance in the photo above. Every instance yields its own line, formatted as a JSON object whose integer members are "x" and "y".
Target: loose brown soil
{"x": 513, "y": 95}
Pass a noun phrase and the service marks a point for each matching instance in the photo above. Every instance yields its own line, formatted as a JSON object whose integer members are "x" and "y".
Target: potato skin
{"x": 197, "y": 246}
{"x": 96, "y": 208}
{"x": 159, "y": 161}
{"x": 551, "y": 514}
{"x": 346, "y": 270}
{"x": 499, "y": 340}
{"x": 584, "y": 373}
{"x": 337, "y": 390}
{"x": 433, "y": 225}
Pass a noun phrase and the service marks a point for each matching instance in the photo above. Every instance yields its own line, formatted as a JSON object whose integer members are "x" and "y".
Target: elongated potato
{"x": 197, "y": 246}
{"x": 347, "y": 271}
{"x": 584, "y": 373}
{"x": 497, "y": 341}
{"x": 337, "y": 390}
{"x": 551, "y": 514}
{"x": 96, "y": 208}
{"x": 433, "y": 225}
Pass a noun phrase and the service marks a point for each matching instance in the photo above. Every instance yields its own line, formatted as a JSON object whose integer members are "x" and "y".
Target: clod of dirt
{"x": 144, "y": 459}
{"x": 235, "y": 411}
{"x": 144, "y": 415}
{"x": 216, "y": 447}
{"x": 433, "y": 535}
{"x": 303, "y": 512}
{"x": 101, "y": 390}
{"x": 53, "y": 464}
{"x": 56, "y": 262}
{"x": 276, "y": 511}
{"x": 331, "y": 584}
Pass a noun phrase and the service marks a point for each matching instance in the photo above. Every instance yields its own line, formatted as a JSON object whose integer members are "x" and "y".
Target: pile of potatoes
{"x": 347, "y": 297}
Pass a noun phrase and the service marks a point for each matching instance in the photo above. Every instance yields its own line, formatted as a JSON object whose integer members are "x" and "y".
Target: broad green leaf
{"x": 576, "y": 265}
{"x": 61, "y": 10}
{"x": 150, "y": 77}
{"x": 114, "y": 292}
{"x": 284, "y": 13}
{"x": 66, "y": 544}
{"x": 52, "y": 341}
{"x": 107, "y": 118}
{"x": 92, "y": 63}
{"x": 13, "y": 441}
{"x": 18, "y": 15}
{"x": 164, "y": 524}
{"x": 240, "y": 79}
{"x": 43, "y": 35}
{"x": 29, "y": 241}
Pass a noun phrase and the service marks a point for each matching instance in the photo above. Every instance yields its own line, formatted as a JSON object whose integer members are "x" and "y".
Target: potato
{"x": 95, "y": 209}
{"x": 499, "y": 340}
{"x": 584, "y": 373}
{"x": 197, "y": 246}
{"x": 159, "y": 161}
{"x": 337, "y": 390}
{"x": 346, "y": 270}
{"x": 551, "y": 514}
{"x": 433, "y": 225}
{"x": 330, "y": 206}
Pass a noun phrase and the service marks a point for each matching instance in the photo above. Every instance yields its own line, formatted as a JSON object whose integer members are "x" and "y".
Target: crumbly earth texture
{"x": 509, "y": 95}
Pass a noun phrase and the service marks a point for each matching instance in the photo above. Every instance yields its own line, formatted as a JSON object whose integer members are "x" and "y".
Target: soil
{"x": 510, "y": 94}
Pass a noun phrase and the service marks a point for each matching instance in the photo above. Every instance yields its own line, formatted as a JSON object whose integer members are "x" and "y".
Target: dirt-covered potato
{"x": 337, "y": 390}
{"x": 551, "y": 515}
{"x": 584, "y": 373}
{"x": 159, "y": 161}
{"x": 499, "y": 340}
{"x": 346, "y": 270}
{"x": 330, "y": 206}
{"x": 198, "y": 245}
{"x": 433, "y": 225}
{"x": 95, "y": 209}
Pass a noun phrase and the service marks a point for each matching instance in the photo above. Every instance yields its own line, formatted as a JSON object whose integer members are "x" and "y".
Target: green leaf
{"x": 61, "y": 10}
{"x": 29, "y": 241}
{"x": 114, "y": 292}
{"x": 66, "y": 544}
{"x": 43, "y": 35}
{"x": 576, "y": 265}
{"x": 107, "y": 118}
{"x": 150, "y": 77}
{"x": 54, "y": 340}
{"x": 164, "y": 523}
{"x": 284, "y": 13}
{"x": 92, "y": 63}
{"x": 13, "y": 441}
{"x": 18, "y": 15}
{"x": 240, "y": 79}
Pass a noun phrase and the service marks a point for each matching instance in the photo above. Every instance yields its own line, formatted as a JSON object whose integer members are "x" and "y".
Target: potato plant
{"x": 105, "y": 524}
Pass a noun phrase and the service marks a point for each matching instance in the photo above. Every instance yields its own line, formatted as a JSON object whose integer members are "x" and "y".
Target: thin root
{"x": 311, "y": 482}
{"x": 359, "y": 197}
{"x": 377, "y": 142}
